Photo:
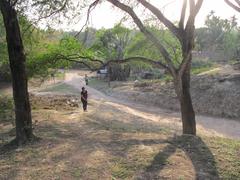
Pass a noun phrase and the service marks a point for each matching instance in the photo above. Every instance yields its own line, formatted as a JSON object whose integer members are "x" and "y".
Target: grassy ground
{"x": 106, "y": 143}
{"x": 110, "y": 143}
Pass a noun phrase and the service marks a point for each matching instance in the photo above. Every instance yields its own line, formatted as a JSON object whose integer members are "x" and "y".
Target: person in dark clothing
{"x": 84, "y": 96}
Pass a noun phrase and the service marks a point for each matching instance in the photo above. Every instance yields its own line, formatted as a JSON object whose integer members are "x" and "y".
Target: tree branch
{"x": 194, "y": 9}
{"x": 183, "y": 15}
{"x": 188, "y": 43}
{"x": 75, "y": 58}
{"x": 233, "y": 5}
{"x": 147, "y": 33}
{"x": 91, "y": 7}
{"x": 238, "y": 2}
{"x": 162, "y": 18}
{"x": 54, "y": 12}
{"x": 139, "y": 58}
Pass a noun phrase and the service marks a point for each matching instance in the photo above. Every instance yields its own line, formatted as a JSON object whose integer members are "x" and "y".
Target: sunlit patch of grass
{"x": 199, "y": 70}
{"x": 121, "y": 169}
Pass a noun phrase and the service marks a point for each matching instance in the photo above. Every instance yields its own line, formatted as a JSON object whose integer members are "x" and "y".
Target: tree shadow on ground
{"x": 193, "y": 147}
{"x": 200, "y": 155}
{"x": 116, "y": 137}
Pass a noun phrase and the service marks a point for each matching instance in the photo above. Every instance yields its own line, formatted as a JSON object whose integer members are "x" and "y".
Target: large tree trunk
{"x": 182, "y": 86}
{"x": 19, "y": 78}
{"x": 187, "y": 111}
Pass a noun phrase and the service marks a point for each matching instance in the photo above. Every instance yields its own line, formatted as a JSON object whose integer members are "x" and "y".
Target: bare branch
{"x": 77, "y": 56}
{"x": 238, "y": 2}
{"x": 162, "y": 18}
{"x": 80, "y": 59}
{"x": 188, "y": 43}
{"x": 194, "y": 9}
{"x": 91, "y": 7}
{"x": 54, "y": 12}
{"x": 198, "y": 7}
{"x": 183, "y": 15}
{"x": 233, "y": 5}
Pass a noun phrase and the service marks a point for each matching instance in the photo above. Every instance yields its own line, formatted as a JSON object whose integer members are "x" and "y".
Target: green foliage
{"x": 220, "y": 36}
{"x": 141, "y": 46}
{"x": 41, "y": 48}
{"x": 45, "y": 59}
{"x": 111, "y": 43}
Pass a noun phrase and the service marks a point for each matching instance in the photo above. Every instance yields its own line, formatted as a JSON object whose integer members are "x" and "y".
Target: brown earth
{"x": 211, "y": 94}
{"x": 117, "y": 139}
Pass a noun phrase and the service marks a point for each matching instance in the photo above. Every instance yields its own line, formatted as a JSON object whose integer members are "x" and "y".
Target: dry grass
{"x": 110, "y": 143}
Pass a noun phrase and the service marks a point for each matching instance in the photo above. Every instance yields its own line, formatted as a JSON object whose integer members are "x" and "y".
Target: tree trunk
{"x": 19, "y": 77}
{"x": 187, "y": 111}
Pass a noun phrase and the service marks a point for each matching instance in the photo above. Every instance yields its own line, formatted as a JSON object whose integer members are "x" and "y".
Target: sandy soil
{"x": 207, "y": 125}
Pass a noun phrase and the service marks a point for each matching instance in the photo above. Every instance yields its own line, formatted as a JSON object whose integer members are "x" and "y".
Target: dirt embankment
{"x": 54, "y": 101}
{"x": 217, "y": 95}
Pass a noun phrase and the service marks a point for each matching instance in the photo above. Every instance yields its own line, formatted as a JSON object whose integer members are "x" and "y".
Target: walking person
{"x": 84, "y": 96}
{"x": 86, "y": 79}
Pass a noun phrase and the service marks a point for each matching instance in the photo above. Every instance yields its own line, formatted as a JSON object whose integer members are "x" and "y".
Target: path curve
{"x": 208, "y": 125}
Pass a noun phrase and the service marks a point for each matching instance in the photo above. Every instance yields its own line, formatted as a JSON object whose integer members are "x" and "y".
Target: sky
{"x": 105, "y": 16}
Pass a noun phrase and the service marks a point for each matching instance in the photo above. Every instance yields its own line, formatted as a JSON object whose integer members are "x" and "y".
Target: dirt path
{"x": 206, "y": 125}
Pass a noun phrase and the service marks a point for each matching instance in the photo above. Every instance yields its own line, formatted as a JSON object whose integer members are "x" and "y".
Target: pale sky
{"x": 106, "y": 16}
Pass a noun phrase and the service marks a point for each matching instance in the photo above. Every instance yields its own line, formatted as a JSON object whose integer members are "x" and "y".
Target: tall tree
{"x": 184, "y": 32}
{"x": 41, "y": 9}
{"x": 17, "y": 60}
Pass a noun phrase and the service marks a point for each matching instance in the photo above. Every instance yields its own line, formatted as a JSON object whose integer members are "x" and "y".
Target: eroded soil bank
{"x": 215, "y": 95}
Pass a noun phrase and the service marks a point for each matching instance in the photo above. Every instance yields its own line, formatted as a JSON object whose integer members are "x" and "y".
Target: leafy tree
{"x": 17, "y": 60}
{"x": 11, "y": 10}
{"x": 184, "y": 33}
{"x": 112, "y": 43}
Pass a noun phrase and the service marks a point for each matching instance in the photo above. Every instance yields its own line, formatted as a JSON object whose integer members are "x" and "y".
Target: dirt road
{"x": 206, "y": 125}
